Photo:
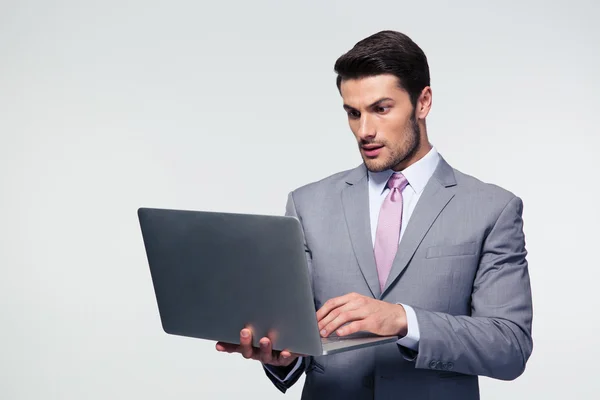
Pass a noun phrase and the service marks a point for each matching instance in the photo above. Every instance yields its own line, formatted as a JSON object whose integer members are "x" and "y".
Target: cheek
{"x": 399, "y": 130}
{"x": 390, "y": 132}
{"x": 398, "y": 120}
{"x": 354, "y": 128}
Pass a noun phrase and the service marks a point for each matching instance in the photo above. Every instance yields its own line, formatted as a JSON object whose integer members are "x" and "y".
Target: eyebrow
{"x": 347, "y": 107}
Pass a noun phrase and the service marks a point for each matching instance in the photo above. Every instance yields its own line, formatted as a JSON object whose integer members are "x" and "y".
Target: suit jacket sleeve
{"x": 282, "y": 372}
{"x": 284, "y": 385}
{"x": 495, "y": 340}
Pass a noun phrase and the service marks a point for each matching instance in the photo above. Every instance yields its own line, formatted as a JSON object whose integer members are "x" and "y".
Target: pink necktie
{"x": 388, "y": 227}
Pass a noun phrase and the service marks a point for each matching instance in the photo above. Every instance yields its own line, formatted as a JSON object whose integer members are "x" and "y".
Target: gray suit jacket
{"x": 461, "y": 265}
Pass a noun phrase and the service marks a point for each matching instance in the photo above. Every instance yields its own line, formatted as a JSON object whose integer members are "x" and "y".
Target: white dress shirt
{"x": 417, "y": 175}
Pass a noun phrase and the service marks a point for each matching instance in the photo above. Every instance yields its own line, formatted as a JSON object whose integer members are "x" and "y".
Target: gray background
{"x": 108, "y": 106}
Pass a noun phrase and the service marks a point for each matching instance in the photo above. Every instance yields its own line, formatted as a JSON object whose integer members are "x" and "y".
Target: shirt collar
{"x": 417, "y": 174}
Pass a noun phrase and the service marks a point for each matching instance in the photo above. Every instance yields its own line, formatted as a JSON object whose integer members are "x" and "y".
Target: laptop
{"x": 216, "y": 273}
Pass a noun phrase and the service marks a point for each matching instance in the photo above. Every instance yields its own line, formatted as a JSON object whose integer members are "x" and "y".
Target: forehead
{"x": 364, "y": 91}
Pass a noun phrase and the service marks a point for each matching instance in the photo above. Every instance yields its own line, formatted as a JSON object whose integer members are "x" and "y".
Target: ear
{"x": 424, "y": 103}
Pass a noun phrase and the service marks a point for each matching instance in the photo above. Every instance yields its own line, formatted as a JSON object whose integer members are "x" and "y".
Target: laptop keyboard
{"x": 336, "y": 338}
{"x": 332, "y": 338}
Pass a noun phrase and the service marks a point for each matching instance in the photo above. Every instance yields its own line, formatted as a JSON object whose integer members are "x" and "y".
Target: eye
{"x": 353, "y": 114}
{"x": 382, "y": 109}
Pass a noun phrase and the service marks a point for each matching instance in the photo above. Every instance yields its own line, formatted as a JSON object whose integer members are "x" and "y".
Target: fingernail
{"x": 323, "y": 332}
{"x": 284, "y": 356}
{"x": 245, "y": 333}
{"x": 263, "y": 344}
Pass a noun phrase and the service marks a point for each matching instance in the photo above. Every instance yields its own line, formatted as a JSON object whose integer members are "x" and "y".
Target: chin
{"x": 375, "y": 165}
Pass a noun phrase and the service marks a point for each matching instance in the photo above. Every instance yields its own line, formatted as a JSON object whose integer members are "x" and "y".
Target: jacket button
{"x": 450, "y": 365}
{"x": 433, "y": 364}
{"x": 443, "y": 366}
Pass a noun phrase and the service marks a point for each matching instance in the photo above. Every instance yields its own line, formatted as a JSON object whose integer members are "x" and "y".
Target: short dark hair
{"x": 386, "y": 52}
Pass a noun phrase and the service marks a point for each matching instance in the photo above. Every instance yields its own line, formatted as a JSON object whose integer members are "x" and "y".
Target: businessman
{"x": 405, "y": 245}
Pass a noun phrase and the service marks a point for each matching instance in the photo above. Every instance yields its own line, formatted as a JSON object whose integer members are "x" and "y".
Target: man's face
{"x": 383, "y": 121}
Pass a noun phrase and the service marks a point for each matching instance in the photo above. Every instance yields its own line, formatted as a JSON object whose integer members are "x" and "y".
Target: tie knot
{"x": 397, "y": 181}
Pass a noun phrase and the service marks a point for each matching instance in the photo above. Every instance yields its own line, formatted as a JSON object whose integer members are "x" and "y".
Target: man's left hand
{"x": 363, "y": 314}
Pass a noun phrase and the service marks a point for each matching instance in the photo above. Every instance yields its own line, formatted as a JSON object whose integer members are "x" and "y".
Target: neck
{"x": 420, "y": 153}
{"x": 422, "y": 150}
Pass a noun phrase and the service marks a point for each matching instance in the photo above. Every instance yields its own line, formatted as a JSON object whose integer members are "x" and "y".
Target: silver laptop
{"x": 216, "y": 273}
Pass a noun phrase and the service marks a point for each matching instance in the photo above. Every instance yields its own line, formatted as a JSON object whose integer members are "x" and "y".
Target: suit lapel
{"x": 355, "y": 201}
{"x": 437, "y": 194}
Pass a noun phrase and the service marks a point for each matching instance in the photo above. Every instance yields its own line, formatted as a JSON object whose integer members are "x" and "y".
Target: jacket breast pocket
{"x": 457, "y": 250}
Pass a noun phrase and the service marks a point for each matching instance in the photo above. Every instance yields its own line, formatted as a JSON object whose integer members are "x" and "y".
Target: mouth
{"x": 371, "y": 150}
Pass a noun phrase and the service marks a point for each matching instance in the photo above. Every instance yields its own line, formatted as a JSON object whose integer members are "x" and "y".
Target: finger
{"x": 284, "y": 358}
{"x": 227, "y": 347}
{"x": 352, "y": 327}
{"x": 332, "y": 304}
{"x": 266, "y": 351}
{"x": 287, "y": 354}
{"x": 351, "y": 305}
{"x": 246, "y": 343}
{"x": 358, "y": 302}
{"x": 290, "y": 354}
{"x": 343, "y": 318}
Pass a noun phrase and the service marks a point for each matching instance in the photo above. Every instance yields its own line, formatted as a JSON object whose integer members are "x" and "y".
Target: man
{"x": 406, "y": 245}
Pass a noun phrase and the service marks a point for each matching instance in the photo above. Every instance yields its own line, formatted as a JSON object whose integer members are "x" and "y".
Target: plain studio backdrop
{"x": 111, "y": 105}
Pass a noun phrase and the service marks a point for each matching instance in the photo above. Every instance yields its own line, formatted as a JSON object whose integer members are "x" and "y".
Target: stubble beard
{"x": 403, "y": 152}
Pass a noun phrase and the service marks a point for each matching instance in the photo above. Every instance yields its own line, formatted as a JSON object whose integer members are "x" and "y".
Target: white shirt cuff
{"x": 411, "y": 340}
{"x": 298, "y": 363}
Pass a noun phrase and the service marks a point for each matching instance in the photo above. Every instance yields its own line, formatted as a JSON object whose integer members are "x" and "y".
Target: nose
{"x": 366, "y": 128}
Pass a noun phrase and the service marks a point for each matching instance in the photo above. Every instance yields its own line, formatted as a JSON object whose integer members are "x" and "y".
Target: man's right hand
{"x": 264, "y": 354}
